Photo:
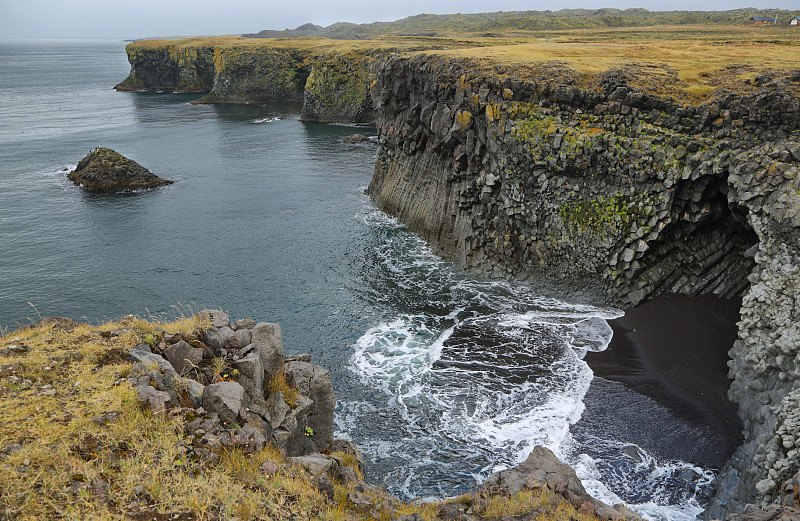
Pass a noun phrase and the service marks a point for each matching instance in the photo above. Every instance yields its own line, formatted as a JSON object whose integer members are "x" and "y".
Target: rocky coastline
{"x": 615, "y": 187}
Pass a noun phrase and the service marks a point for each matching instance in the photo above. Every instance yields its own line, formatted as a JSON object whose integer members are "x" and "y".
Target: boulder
{"x": 355, "y": 139}
{"x": 243, "y": 323}
{"x": 266, "y": 340}
{"x": 290, "y": 434}
{"x": 193, "y": 390}
{"x": 316, "y": 463}
{"x": 152, "y": 361}
{"x": 239, "y": 339}
{"x": 228, "y": 400}
{"x": 183, "y": 357}
{"x": 216, "y": 337}
{"x": 315, "y": 382}
{"x": 348, "y": 447}
{"x": 159, "y": 402}
{"x": 106, "y": 170}
{"x": 217, "y": 317}
{"x": 251, "y": 376}
{"x": 769, "y": 513}
{"x": 542, "y": 468}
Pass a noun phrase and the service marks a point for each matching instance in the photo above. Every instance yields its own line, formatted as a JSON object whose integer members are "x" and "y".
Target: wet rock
{"x": 106, "y": 170}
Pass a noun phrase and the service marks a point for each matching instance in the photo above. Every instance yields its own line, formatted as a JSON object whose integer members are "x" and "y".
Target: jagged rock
{"x": 303, "y": 357}
{"x": 152, "y": 361}
{"x": 251, "y": 376}
{"x": 769, "y": 513}
{"x": 276, "y": 409}
{"x": 249, "y": 439}
{"x": 228, "y": 400}
{"x": 183, "y": 357}
{"x": 542, "y": 467}
{"x": 159, "y": 402}
{"x": 355, "y": 139}
{"x": 217, "y": 317}
{"x": 105, "y": 170}
{"x": 316, "y": 463}
{"x": 193, "y": 390}
{"x": 348, "y": 447}
{"x": 290, "y": 437}
{"x": 216, "y": 337}
{"x": 541, "y": 464}
{"x": 315, "y": 382}
{"x": 324, "y": 484}
{"x": 244, "y": 323}
{"x": 266, "y": 340}
{"x": 239, "y": 339}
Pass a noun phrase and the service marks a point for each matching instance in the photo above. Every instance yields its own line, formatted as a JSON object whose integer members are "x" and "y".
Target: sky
{"x": 131, "y": 19}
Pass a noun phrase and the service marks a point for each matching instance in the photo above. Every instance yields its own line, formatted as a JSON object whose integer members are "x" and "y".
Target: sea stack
{"x": 106, "y": 170}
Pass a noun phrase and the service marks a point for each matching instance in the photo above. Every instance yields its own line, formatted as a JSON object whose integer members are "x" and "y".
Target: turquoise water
{"x": 440, "y": 377}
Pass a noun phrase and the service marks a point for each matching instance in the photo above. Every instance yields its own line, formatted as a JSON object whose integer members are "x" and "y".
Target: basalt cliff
{"x": 613, "y": 187}
{"x": 601, "y": 188}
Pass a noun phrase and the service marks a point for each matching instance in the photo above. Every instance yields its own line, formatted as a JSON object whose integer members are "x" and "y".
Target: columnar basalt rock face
{"x": 333, "y": 87}
{"x": 252, "y": 75}
{"x": 618, "y": 195}
{"x": 338, "y": 89}
{"x": 182, "y": 70}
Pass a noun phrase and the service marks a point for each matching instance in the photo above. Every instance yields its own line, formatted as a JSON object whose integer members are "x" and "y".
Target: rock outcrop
{"x": 105, "y": 170}
{"x": 618, "y": 191}
{"x": 233, "y": 386}
{"x": 333, "y": 86}
{"x": 542, "y": 469}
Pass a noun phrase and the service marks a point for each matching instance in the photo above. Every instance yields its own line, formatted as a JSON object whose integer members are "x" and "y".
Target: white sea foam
{"x": 268, "y": 119}
{"x": 473, "y": 374}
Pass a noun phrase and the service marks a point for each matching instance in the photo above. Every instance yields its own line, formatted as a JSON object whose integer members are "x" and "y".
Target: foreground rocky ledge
{"x": 202, "y": 418}
{"x": 105, "y": 170}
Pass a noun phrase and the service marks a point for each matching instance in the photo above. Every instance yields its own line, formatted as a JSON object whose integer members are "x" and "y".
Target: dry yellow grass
{"x": 690, "y": 61}
{"x": 696, "y": 53}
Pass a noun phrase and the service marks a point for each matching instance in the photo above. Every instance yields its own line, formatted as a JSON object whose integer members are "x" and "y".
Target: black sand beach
{"x": 662, "y": 383}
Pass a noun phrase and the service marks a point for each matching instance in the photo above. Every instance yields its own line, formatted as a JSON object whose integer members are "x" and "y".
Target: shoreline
{"x": 672, "y": 350}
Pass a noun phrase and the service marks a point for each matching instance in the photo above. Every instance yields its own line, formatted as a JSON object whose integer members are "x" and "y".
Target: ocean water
{"x": 441, "y": 378}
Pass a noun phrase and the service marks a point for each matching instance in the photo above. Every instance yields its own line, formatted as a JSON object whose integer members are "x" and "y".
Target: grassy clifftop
{"x": 684, "y": 62}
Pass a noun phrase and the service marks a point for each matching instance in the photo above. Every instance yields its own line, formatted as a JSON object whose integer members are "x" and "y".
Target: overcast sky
{"x": 129, "y": 19}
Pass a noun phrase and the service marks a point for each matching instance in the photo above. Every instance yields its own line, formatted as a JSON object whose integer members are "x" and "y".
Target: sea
{"x": 441, "y": 377}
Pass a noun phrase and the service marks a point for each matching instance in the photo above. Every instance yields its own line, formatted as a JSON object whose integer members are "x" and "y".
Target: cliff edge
{"x": 618, "y": 186}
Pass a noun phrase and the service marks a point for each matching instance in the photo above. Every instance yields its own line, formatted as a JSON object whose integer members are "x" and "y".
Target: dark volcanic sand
{"x": 662, "y": 382}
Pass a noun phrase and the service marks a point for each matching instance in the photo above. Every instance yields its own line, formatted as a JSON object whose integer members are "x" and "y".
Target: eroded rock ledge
{"x": 603, "y": 187}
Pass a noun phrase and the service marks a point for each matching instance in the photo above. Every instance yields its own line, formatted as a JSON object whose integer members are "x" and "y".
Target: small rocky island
{"x": 105, "y": 170}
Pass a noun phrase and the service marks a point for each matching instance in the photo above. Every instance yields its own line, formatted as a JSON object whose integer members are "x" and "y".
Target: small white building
{"x": 795, "y": 21}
